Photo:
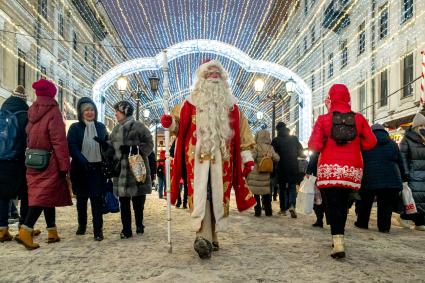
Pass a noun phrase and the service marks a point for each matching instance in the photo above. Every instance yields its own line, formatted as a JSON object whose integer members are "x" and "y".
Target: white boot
{"x": 338, "y": 246}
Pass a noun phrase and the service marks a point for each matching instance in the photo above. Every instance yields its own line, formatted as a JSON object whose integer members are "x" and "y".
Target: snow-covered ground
{"x": 276, "y": 249}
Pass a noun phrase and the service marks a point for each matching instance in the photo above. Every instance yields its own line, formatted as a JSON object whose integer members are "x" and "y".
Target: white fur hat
{"x": 203, "y": 69}
{"x": 419, "y": 120}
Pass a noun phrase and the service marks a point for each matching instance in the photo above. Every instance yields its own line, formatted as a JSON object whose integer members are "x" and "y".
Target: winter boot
{"x": 257, "y": 210}
{"x": 25, "y": 238}
{"x": 5, "y": 235}
{"x": 203, "y": 247}
{"x": 318, "y": 224}
{"x": 292, "y": 212}
{"x": 36, "y": 232}
{"x": 338, "y": 246}
{"x": 81, "y": 230}
{"x": 52, "y": 235}
{"x": 215, "y": 246}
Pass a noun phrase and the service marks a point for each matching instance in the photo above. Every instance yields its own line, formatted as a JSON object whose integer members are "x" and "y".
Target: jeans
{"x": 96, "y": 210}
{"x": 34, "y": 213}
{"x": 4, "y": 212}
{"x": 336, "y": 208}
{"x": 287, "y": 195}
{"x": 12, "y": 208}
{"x": 138, "y": 207}
{"x": 161, "y": 186}
{"x": 385, "y": 208}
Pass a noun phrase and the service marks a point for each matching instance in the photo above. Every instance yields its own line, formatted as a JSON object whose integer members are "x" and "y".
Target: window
{"x": 384, "y": 88}
{"x": 298, "y": 52}
{"x": 305, "y": 7}
{"x": 43, "y": 72}
{"x": 407, "y": 10}
{"x": 362, "y": 99}
{"x": 344, "y": 54}
{"x": 42, "y": 8}
{"x": 74, "y": 41}
{"x": 331, "y": 65}
{"x": 86, "y": 53}
{"x": 21, "y": 68}
{"x": 408, "y": 75}
{"x": 362, "y": 38}
{"x": 60, "y": 94}
{"x": 305, "y": 43}
{"x": 313, "y": 34}
{"x": 313, "y": 82}
{"x": 383, "y": 22}
{"x": 61, "y": 25}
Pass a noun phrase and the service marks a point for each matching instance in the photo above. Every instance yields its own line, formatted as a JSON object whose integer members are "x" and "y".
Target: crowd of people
{"x": 214, "y": 152}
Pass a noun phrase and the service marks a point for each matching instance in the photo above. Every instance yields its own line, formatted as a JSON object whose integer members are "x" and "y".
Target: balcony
{"x": 335, "y": 17}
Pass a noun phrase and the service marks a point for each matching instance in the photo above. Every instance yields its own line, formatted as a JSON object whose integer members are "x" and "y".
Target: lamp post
{"x": 137, "y": 95}
{"x": 122, "y": 83}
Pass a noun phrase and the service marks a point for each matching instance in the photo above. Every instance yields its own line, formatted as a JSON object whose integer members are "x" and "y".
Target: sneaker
{"x": 140, "y": 230}
{"x": 292, "y": 212}
{"x": 420, "y": 227}
{"x": 282, "y": 212}
{"x": 317, "y": 224}
{"x": 403, "y": 223}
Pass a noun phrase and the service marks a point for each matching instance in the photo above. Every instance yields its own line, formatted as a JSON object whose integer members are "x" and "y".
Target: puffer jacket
{"x": 259, "y": 183}
{"x": 340, "y": 165}
{"x": 412, "y": 149}
{"x": 383, "y": 169}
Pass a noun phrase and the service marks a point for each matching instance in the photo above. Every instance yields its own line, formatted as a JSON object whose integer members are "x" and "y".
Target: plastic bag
{"x": 408, "y": 201}
{"x": 110, "y": 201}
{"x": 305, "y": 198}
{"x": 137, "y": 166}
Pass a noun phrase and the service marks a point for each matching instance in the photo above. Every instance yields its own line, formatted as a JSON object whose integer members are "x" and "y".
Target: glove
{"x": 103, "y": 144}
{"x": 166, "y": 121}
{"x": 248, "y": 167}
{"x": 125, "y": 149}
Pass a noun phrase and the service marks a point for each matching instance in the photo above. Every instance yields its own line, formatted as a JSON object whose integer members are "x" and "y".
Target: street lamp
{"x": 154, "y": 82}
{"x": 122, "y": 83}
{"x": 259, "y": 85}
{"x": 290, "y": 86}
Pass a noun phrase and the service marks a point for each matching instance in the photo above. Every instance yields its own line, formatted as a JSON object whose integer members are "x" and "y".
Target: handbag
{"x": 408, "y": 200}
{"x": 110, "y": 201}
{"x": 37, "y": 159}
{"x": 137, "y": 166}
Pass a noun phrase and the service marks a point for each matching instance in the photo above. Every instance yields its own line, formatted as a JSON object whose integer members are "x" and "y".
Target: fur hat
{"x": 44, "y": 88}
{"x": 20, "y": 92}
{"x": 124, "y": 107}
{"x": 206, "y": 64}
{"x": 418, "y": 121}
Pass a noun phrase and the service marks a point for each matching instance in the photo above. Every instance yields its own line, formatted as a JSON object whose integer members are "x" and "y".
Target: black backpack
{"x": 9, "y": 128}
{"x": 343, "y": 127}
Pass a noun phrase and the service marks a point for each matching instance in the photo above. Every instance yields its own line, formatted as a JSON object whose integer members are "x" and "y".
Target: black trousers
{"x": 320, "y": 209}
{"x": 179, "y": 198}
{"x": 96, "y": 210}
{"x": 23, "y": 208}
{"x": 34, "y": 213}
{"x": 266, "y": 201}
{"x": 336, "y": 208}
{"x": 385, "y": 199}
{"x": 138, "y": 207}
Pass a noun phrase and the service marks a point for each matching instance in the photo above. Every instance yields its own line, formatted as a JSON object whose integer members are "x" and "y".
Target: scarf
{"x": 90, "y": 148}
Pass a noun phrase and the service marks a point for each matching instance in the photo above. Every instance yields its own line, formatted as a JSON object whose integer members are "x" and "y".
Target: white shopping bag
{"x": 305, "y": 198}
{"x": 408, "y": 201}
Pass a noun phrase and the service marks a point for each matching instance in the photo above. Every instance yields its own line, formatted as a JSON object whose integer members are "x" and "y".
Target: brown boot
{"x": 5, "y": 235}
{"x": 36, "y": 232}
{"x": 25, "y": 238}
{"x": 52, "y": 235}
{"x": 338, "y": 246}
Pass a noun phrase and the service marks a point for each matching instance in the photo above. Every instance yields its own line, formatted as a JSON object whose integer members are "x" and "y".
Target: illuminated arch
{"x": 215, "y": 47}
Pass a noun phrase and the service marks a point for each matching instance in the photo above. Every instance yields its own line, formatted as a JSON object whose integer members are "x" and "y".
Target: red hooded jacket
{"x": 46, "y": 130}
{"x": 340, "y": 165}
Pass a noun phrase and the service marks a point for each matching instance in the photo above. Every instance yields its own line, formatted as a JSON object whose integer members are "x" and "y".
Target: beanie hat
{"x": 45, "y": 88}
{"x": 377, "y": 127}
{"x": 418, "y": 121}
{"x": 124, "y": 107}
{"x": 20, "y": 92}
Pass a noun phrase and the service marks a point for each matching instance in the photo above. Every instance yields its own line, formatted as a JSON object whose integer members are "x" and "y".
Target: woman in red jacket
{"x": 47, "y": 188}
{"x": 340, "y": 166}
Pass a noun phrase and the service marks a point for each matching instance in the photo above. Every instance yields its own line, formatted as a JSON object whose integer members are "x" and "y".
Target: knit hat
{"x": 377, "y": 127}
{"x": 418, "y": 121}
{"x": 19, "y": 92}
{"x": 124, "y": 107}
{"x": 45, "y": 88}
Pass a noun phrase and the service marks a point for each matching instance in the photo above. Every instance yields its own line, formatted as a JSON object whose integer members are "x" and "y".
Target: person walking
{"x": 85, "y": 138}
{"x": 289, "y": 149}
{"x": 383, "y": 175}
{"x": 340, "y": 136}
{"x": 130, "y": 136}
{"x": 47, "y": 188}
{"x": 412, "y": 148}
{"x": 12, "y": 156}
{"x": 160, "y": 173}
{"x": 259, "y": 181}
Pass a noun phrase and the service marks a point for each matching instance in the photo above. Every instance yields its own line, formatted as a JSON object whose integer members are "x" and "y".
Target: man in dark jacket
{"x": 12, "y": 171}
{"x": 289, "y": 149}
{"x": 382, "y": 178}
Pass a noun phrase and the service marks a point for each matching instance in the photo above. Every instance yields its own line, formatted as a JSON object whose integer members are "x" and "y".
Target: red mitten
{"x": 166, "y": 121}
{"x": 248, "y": 167}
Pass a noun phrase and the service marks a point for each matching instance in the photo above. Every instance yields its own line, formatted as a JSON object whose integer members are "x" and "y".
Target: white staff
{"x": 167, "y": 150}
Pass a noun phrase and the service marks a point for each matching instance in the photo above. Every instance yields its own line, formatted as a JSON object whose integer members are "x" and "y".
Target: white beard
{"x": 213, "y": 101}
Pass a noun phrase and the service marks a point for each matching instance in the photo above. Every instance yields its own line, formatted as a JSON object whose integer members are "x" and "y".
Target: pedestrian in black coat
{"x": 13, "y": 172}
{"x": 85, "y": 139}
{"x": 412, "y": 149}
{"x": 383, "y": 176}
{"x": 289, "y": 149}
